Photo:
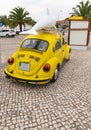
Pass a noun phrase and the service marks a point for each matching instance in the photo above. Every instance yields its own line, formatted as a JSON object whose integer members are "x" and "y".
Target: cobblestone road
{"x": 63, "y": 105}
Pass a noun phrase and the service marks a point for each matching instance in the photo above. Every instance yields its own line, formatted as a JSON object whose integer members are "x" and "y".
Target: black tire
{"x": 69, "y": 56}
{"x": 7, "y": 35}
{"x": 12, "y": 36}
{"x": 7, "y": 77}
{"x": 55, "y": 76}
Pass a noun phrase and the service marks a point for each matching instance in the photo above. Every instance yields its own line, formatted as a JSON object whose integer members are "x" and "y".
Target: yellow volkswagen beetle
{"x": 38, "y": 58}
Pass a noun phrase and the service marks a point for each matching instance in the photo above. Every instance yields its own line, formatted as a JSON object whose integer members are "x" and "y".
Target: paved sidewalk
{"x": 8, "y": 46}
{"x": 64, "y": 105}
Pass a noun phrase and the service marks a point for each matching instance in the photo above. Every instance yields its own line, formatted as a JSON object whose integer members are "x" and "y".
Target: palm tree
{"x": 18, "y": 16}
{"x": 83, "y": 9}
{"x": 4, "y": 20}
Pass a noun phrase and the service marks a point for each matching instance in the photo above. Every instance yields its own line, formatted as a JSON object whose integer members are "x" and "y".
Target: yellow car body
{"x": 39, "y": 62}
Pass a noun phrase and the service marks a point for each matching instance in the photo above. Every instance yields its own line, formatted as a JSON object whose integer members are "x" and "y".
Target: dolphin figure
{"x": 45, "y": 22}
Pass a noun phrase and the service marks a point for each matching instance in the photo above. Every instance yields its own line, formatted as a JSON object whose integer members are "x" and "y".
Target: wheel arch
{"x": 68, "y": 51}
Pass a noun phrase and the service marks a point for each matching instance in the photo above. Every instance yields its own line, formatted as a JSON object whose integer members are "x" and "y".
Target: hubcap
{"x": 56, "y": 73}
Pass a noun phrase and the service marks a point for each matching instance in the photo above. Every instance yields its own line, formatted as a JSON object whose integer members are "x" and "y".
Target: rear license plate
{"x": 24, "y": 66}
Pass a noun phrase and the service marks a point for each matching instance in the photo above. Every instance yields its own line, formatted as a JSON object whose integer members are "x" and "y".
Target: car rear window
{"x": 36, "y": 44}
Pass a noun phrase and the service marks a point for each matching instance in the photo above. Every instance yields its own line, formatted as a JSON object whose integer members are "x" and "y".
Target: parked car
{"x": 39, "y": 58}
{"x": 7, "y": 33}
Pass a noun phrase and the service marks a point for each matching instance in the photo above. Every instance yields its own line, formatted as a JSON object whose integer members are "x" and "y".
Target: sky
{"x": 60, "y": 9}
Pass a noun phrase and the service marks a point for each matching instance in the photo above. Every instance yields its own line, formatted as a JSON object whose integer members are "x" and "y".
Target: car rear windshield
{"x": 35, "y": 44}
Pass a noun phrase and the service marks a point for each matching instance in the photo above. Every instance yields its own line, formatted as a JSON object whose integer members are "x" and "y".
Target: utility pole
{"x": 47, "y": 11}
{"x": 59, "y": 14}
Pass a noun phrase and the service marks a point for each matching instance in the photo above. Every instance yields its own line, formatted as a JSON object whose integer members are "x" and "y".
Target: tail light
{"x": 46, "y": 67}
{"x": 11, "y": 60}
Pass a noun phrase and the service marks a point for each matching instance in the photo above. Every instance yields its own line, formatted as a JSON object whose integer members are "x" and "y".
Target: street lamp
{"x": 47, "y": 11}
{"x": 59, "y": 13}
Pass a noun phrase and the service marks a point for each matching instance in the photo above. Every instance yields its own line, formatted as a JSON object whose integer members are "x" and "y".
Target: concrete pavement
{"x": 63, "y": 105}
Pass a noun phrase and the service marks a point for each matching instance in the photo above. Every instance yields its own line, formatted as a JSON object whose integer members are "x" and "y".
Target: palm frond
{"x": 82, "y": 9}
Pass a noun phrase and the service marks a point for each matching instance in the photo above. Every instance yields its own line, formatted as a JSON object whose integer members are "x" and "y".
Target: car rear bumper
{"x": 27, "y": 80}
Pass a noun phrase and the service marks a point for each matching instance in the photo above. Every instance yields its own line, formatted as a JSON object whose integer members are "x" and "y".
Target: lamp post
{"x": 47, "y": 11}
{"x": 59, "y": 13}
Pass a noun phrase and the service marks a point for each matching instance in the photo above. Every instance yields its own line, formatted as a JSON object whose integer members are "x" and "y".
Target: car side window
{"x": 58, "y": 45}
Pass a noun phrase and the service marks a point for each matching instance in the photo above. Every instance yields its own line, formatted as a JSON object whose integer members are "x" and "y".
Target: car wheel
{"x": 55, "y": 76}
{"x": 7, "y": 77}
{"x": 7, "y": 35}
{"x": 69, "y": 56}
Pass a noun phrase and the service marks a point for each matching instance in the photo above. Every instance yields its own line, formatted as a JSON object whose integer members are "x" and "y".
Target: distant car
{"x": 7, "y": 33}
{"x": 39, "y": 58}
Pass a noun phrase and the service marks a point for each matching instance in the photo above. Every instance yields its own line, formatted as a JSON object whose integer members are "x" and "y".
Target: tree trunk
{"x": 20, "y": 24}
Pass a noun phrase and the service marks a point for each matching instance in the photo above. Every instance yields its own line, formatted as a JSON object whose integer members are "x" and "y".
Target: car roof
{"x": 50, "y": 37}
